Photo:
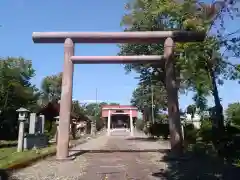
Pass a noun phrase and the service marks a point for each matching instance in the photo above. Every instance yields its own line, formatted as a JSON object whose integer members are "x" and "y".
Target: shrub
{"x": 159, "y": 129}
{"x": 53, "y": 130}
{"x": 190, "y": 133}
{"x": 140, "y": 124}
{"x": 232, "y": 130}
{"x": 230, "y": 144}
{"x": 99, "y": 124}
{"x": 205, "y": 131}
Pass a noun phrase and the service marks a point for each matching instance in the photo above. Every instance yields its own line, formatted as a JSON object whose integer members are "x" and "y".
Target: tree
{"x": 16, "y": 88}
{"x": 78, "y": 109}
{"x": 93, "y": 109}
{"x": 16, "y": 91}
{"x": 233, "y": 113}
{"x": 51, "y": 88}
{"x": 199, "y": 66}
{"x": 139, "y": 124}
{"x": 114, "y": 104}
{"x": 191, "y": 109}
{"x": 142, "y": 97}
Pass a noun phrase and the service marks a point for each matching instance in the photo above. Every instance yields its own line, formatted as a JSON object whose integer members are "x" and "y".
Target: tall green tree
{"x": 200, "y": 67}
{"x": 51, "y": 88}
{"x": 233, "y": 113}
{"x": 16, "y": 90}
{"x": 77, "y": 108}
{"x": 147, "y": 95}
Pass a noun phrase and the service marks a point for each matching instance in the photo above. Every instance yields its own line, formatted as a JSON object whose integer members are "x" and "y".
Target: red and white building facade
{"x": 119, "y": 116}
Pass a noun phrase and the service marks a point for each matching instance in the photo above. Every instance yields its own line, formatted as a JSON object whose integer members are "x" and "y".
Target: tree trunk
{"x": 218, "y": 118}
{"x": 50, "y": 126}
{"x": 73, "y": 130}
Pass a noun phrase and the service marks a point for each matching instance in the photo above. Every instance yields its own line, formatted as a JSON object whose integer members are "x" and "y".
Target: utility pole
{"x": 153, "y": 119}
{"x": 96, "y": 98}
{"x": 96, "y": 109}
{"x": 96, "y": 95}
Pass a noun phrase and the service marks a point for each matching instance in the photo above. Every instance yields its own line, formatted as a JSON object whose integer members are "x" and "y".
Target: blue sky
{"x": 19, "y": 18}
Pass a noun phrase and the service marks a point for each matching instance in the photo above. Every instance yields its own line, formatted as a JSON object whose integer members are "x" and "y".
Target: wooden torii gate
{"x": 70, "y": 38}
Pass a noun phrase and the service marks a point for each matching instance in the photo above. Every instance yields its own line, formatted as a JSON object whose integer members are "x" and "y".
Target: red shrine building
{"x": 119, "y": 116}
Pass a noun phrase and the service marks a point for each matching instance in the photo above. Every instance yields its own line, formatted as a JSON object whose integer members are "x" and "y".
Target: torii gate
{"x": 70, "y": 38}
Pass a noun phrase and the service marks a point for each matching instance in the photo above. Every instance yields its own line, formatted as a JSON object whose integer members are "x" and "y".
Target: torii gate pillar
{"x": 66, "y": 101}
{"x": 172, "y": 94}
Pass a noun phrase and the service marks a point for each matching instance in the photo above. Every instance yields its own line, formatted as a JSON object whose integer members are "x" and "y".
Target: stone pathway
{"x": 110, "y": 163}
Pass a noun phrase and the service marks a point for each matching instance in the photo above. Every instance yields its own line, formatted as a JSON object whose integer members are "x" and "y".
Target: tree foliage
{"x": 200, "y": 66}
{"x": 51, "y": 88}
{"x": 16, "y": 90}
{"x": 147, "y": 95}
{"x": 191, "y": 109}
{"x": 233, "y": 113}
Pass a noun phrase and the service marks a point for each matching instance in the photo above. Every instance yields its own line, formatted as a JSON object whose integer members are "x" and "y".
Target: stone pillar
{"x": 20, "y": 136}
{"x": 42, "y": 117}
{"x": 109, "y": 123}
{"x": 57, "y": 130}
{"x": 86, "y": 128}
{"x": 65, "y": 102}
{"x": 182, "y": 128}
{"x": 93, "y": 128}
{"x": 131, "y": 124}
{"x": 172, "y": 94}
{"x": 32, "y": 123}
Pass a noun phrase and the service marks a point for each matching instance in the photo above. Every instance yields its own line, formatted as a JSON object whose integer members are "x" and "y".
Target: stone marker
{"x": 40, "y": 124}
{"x": 32, "y": 123}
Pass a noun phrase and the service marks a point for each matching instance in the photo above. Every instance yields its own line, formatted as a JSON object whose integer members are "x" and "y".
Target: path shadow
{"x": 143, "y": 139}
{"x": 80, "y": 152}
{"x": 8, "y": 145}
{"x": 199, "y": 167}
{"x": 5, "y": 175}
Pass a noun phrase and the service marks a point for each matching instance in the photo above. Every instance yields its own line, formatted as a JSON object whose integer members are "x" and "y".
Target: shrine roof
{"x": 118, "y": 107}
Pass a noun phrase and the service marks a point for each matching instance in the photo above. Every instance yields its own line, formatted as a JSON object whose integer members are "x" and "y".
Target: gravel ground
{"x": 113, "y": 165}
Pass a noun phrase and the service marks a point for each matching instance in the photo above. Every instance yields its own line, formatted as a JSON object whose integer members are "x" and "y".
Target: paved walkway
{"x": 120, "y": 158}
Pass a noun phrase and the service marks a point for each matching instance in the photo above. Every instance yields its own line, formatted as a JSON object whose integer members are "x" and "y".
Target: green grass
{"x": 4, "y": 152}
{"x": 10, "y": 157}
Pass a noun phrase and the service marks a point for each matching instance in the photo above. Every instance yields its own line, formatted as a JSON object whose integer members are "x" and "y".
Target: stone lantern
{"x": 93, "y": 127}
{"x": 22, "y": 114}
{"x": 22, "y": 118}
{"x": 57, "y": 120}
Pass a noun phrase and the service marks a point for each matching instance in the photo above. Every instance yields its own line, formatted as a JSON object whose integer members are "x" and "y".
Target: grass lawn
{"x": 10, "y": 157}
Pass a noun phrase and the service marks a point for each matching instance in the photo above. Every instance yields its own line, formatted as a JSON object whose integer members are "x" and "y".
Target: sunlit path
{"x": 115, "y": 157}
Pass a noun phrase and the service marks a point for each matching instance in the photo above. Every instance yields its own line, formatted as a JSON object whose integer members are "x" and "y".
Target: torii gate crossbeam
{"x": 69, "y": 38}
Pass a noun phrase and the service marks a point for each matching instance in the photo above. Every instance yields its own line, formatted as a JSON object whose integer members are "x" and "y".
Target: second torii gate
{"x": 70, "y": 38}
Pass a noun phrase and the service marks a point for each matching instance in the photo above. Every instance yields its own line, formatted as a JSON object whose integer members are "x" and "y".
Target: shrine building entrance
{"x": 119, "y": 117}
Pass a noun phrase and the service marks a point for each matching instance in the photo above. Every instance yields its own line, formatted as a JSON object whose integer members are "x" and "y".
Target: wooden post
{"x": 131, "y": 124}
{"x": 172, "y": 94}
{"x": 109, "y": 123}
{"x": 66, "y": 101}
